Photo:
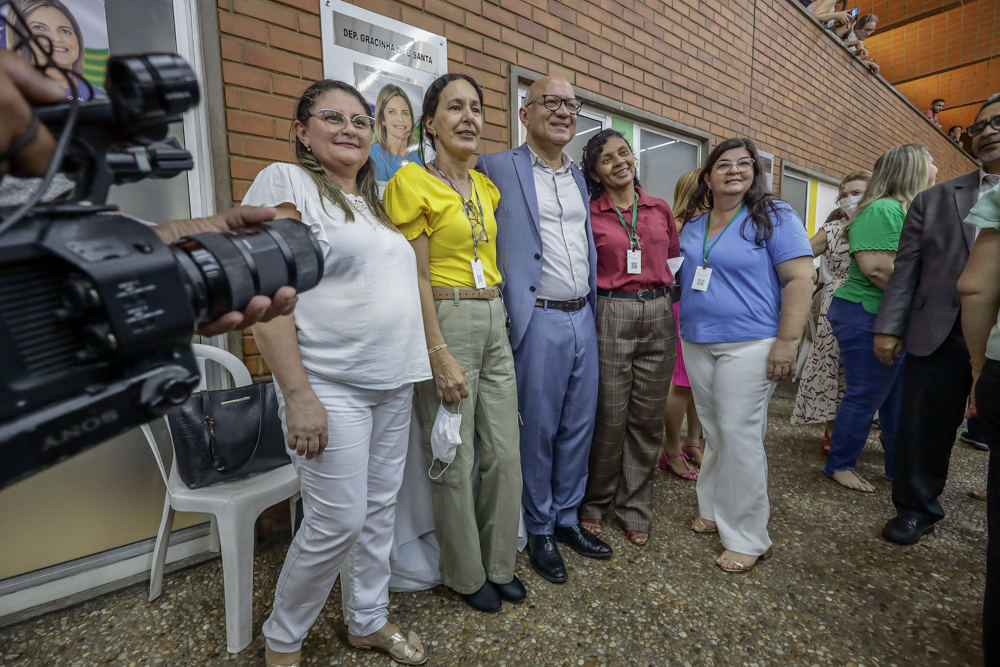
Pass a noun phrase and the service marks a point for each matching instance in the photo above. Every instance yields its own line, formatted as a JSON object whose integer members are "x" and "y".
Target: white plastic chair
{"x": 234, "y": 507}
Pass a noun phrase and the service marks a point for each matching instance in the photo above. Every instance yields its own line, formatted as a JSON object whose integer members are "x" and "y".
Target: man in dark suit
{"x": 921, "y": 307}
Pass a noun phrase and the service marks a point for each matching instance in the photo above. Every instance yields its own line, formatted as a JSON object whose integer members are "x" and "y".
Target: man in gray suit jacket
{"x": 921, "y": 307}
{"x": 547, "y": 256}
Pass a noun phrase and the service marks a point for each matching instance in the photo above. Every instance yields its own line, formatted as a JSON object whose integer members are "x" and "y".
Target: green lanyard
{"x": 632, "y": 236}
{"x": 704, "y": 240}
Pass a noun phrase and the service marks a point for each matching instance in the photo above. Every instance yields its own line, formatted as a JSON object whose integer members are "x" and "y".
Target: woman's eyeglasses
{"x": 553, "y": 102}
{"x": 978, "y": 128}
{"x": 743, "y": 166}
{"x": 338, "y": 120}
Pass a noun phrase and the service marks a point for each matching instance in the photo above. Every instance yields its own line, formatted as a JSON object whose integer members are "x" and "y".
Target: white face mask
{"x": 850, "y": 204}
{"x": 446, "y": 436}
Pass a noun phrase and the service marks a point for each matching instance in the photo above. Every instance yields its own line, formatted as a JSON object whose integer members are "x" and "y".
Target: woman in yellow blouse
{"x": 446, "y": 211}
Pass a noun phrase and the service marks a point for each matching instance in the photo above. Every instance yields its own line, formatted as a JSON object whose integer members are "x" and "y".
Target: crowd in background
{"x": 551, "y": 325}
{"x": 847, "y": 26}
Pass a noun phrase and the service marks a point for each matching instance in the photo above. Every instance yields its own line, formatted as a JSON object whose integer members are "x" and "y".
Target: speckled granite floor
{"x": 835, "y": 593}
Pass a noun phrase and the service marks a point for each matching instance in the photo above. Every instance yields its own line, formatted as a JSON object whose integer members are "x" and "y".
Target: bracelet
{"x": 437, "y": 348}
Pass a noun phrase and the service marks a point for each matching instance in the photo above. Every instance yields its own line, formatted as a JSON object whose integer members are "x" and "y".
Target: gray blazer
{"x": 921, "y": 303}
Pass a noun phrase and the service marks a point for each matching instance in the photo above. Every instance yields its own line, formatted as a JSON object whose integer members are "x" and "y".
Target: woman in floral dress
{"x": 821, "y": 385}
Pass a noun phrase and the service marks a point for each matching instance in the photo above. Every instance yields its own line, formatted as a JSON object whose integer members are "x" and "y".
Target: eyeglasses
{"x": 978, "y": 128}
{"x": 338, "y": 119}
{"x": 744, "y": 165}
{"x": 553, "y": 102}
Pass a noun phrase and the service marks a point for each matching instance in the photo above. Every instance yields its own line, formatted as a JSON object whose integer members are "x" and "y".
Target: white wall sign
{"x": 384, "y": 59}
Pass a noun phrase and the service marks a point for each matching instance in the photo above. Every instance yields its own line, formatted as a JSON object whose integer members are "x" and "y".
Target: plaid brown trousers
{"x": 637, "y": 345}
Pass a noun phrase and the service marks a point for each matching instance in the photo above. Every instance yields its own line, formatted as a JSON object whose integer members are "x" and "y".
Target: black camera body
{"x": 95, "y": 333}
{"x": 96, "y": 313}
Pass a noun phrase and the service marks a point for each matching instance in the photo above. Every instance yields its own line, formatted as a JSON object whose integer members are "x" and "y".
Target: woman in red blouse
{"x": 636, "y": 336}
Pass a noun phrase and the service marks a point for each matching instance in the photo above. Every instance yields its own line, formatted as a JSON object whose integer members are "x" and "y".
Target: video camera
{"x": 96, "y": 313}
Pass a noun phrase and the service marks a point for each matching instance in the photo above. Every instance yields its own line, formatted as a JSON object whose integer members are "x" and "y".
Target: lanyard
{"x": 469, "y": 205}
{"x": 632, "y": 236}
{"x": 704, "y": 240}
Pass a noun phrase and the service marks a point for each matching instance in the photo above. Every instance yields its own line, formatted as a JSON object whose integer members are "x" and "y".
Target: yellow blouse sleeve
{"x": 491, "y": 190}
{"x": 406, "y": 207}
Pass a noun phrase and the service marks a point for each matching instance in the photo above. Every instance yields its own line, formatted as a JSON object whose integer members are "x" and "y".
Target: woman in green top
{"x": 899, "y": 175}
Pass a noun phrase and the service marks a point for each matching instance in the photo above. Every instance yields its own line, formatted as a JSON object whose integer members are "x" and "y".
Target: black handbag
{"x": 227, "y": 433}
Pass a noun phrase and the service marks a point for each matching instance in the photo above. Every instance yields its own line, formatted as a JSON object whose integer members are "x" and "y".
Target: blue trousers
{"x": 871, "y": 386}
{"x": 556, "y": 367}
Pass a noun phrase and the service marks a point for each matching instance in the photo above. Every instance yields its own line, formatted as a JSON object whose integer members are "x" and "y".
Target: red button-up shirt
{"x": 657, "y": 233}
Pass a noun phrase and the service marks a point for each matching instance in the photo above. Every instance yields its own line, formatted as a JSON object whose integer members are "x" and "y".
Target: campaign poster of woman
{"x": 77, "y": 32}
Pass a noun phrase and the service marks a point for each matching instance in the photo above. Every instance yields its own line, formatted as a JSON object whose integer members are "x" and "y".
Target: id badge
{"x": 701, "y": 277}
{"x": 633, "y": 261}
{"x": 477, "y": 273}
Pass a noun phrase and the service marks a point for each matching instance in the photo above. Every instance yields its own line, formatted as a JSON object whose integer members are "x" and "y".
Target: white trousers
{"x": 731, "y": 392}
{"x": 349, "y": 507}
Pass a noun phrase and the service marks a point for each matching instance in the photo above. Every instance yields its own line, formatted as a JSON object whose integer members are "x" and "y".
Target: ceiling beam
{"x": 948, "y": 6}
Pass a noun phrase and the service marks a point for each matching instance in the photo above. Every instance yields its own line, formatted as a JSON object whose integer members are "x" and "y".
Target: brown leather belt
{"x": 442, "y": 293}
{"x": 569, "y": 306}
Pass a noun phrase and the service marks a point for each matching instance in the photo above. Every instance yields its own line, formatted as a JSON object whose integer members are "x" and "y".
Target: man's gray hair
{"x": 993, "y": 99}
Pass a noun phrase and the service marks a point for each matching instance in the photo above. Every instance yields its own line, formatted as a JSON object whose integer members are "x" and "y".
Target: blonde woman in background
{"x": 899, "y": 175}
{"x": 680, "y": 403}
{"x": 822, "y": 381}
{"x": 393, "y": 133}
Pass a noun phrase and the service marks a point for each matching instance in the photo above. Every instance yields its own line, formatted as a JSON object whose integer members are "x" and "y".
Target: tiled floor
{"x": 835, "y": 593}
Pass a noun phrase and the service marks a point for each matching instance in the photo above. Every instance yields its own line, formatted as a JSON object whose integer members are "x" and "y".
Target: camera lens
{"x": 151, "y": 85}
{"x": 224, "y": 271}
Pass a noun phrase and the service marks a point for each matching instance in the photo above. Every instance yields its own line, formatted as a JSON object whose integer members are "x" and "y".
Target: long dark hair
{"x": 592, "y": 153}
{"x": 307, "y": 160}
{"x": 431, "y": 100}
{"x": 758, "y": 199}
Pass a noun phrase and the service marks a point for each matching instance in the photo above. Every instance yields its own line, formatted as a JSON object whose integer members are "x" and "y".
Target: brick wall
{"x": 745, "y": 67}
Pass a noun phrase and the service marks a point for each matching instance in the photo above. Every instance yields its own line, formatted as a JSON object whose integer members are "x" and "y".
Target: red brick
{"x": 271, "y": 105}
{"x": 242, "y": 27}
{"x": 267, "y": 149}
{"x": 446, "y": 11}
{"x": 310, "y": 25}
{"x": 266, "y": 12}
{"x": 246, "y": 170}
{"x": 239, "y": 121}
{"x": 295, "y": 42}
{"x": 481, "y": 26}
{"x": 232, "y": 49}
{"x": 232, "y": 98}
{"x": 247, "y": 77}
{"x": 311, "y": 6}
{"x": 479, "y": 61}
{"x": 464, "y": 37}
{"x": 265, "y": 58}
{"x": 283, "y": 85}
{"x": 312, "y": 70}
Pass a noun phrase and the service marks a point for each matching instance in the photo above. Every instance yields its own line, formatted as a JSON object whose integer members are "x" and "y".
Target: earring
{"x": 309, "y": 149}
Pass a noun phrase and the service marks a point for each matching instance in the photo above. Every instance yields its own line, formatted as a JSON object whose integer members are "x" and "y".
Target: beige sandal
{"x": 740, "y": 568}
{"x": 408, "y": 651}
{"x": 702, "y": 528}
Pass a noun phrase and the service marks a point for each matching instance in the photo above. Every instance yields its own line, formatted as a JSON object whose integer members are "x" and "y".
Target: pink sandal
{"x": 593, "y": 526}
{"x": 700, "y": 448}
{"x": 664, "y": 462}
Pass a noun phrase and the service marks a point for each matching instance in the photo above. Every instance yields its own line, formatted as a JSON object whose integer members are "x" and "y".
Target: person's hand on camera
{"x": 260, "y": 308}
{"x": 449, "y": 377}
{"x": 308, "y": 428}
{"x": 21, "y": 86}
{"x": 841, "y": 18}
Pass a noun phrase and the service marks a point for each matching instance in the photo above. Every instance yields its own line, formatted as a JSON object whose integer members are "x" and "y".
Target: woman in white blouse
{"x": 344, "y": 364}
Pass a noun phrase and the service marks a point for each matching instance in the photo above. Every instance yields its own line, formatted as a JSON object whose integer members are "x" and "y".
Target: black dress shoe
{"x": 486, "y": 599}
{"x": 906, "y": 530}
{"x": 545, "y": 558}
{"x": 583, "y": 541}
{"x": 513, "y": 591}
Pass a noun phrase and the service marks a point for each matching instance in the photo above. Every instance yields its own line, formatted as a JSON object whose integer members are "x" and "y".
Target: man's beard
{"x": 990, "y": 152}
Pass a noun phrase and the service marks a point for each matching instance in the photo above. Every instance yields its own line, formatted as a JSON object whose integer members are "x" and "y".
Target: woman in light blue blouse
{"x": 746, "y": 296}
{"x": 391, "y": 149}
